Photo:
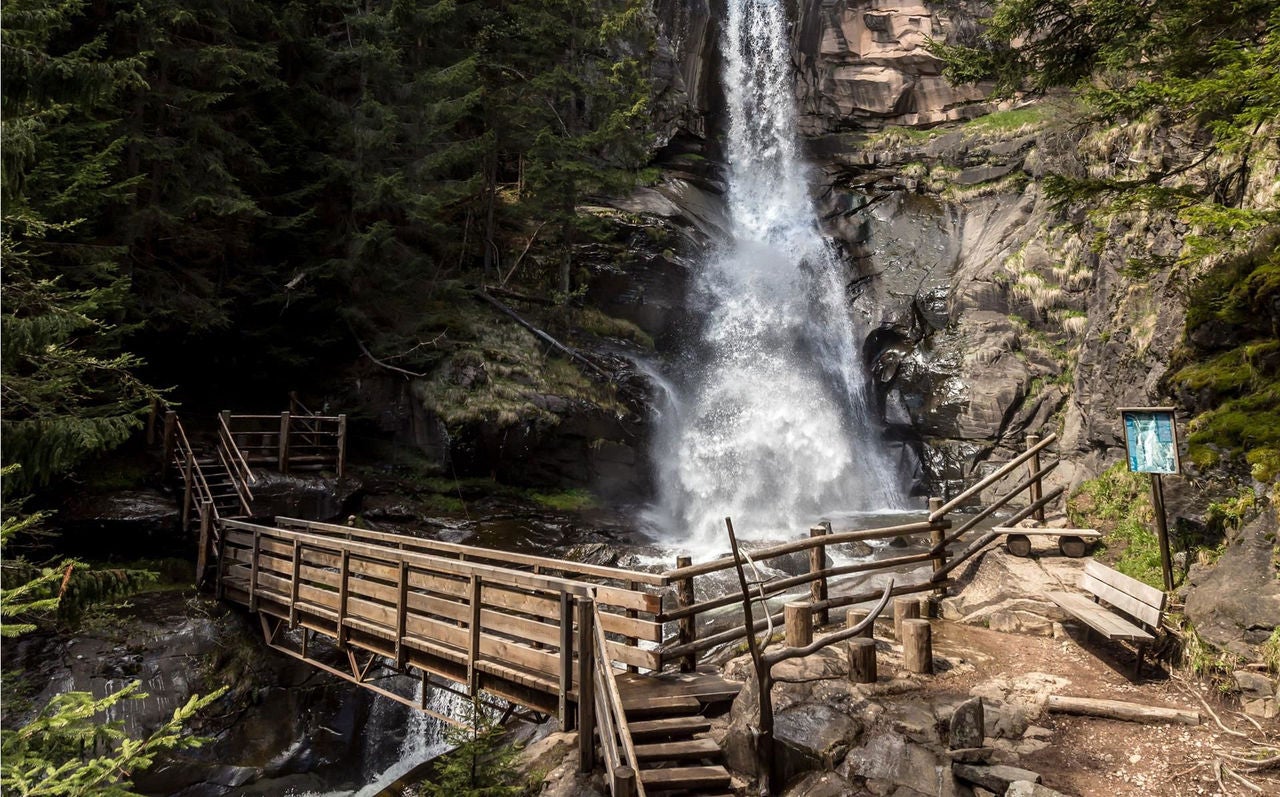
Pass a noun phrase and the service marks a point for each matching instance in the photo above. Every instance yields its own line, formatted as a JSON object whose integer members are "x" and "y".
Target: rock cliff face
{"x": 864, "y": 64}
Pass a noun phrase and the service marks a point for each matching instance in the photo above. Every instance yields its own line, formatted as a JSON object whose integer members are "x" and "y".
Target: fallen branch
{"x": 1204, "y": 703}
{"x": 1254, "y": 764}
{"x": 380, "y": 363}
{"x": 572, "y": 354}
{"x": 1120, "y": 710}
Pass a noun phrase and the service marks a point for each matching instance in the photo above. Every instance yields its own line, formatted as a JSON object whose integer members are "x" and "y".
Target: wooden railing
{"x": 233, "y": 461}
{"x": 506, "y": 631}
{"x": 290, "y": 442}
{"x": 178, "y": 453}
{"x": 605, "y": 713}
{"x": 687, "y": 644}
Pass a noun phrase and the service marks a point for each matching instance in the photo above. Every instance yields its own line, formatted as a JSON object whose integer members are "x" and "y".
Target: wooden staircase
{"x": 665, "y": 716}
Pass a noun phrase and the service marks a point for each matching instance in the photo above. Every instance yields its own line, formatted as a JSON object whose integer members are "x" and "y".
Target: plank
{"x": 1124, "y": 602}
{"x": 697, "y": 779}
{"x": 1096, "y": 573}
{"x": 1120, "y": 710}
{"x": 706, "y": 687}
{"x": 647, "y": 707}
{"x": 668, "y": 727}
{"x": 1046, "y": 532}
{"x": 1110, "y": 625}
{"x": 683, "y": 750}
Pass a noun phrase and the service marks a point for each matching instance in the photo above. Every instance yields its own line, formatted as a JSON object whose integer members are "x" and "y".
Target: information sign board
{"x": 1151, "y": 439}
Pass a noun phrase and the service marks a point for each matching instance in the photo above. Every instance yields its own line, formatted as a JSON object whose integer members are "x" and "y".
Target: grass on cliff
{"x": 1118, "y": 503}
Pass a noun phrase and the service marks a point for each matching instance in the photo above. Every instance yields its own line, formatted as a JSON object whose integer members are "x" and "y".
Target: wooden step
{"x": 684, "y": 750}
{"x": 647, "y": 707}
{"x": 696, "y": 779}
{"x": 668, "y": 727}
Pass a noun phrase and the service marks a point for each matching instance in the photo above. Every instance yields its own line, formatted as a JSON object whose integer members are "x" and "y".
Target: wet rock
{"x": 302, "y": 495}
{"x": 1027, "y": 788}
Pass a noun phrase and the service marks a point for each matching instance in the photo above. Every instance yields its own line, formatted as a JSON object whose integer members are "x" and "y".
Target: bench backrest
{"x": 1141, "y": 601}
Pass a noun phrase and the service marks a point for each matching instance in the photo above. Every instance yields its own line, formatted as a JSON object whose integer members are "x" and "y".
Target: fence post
{"x": 342, "y": 444}
{"x": 586, "y": 687}
{"x": 473, "y": 654}
{"x": 688, "y": 626}
{"x": 206, "y": 540}
{"x": 1033, "y": 465}
{"x": 818, "y": 563}
{"x": 187, "y": 465}
{"x": 799, "y": 624}
{"x": 937, "y": 537}
{"x": 566, "y": 661}
{"x": 284, "y": 443}
{"x": 170, "y": 430}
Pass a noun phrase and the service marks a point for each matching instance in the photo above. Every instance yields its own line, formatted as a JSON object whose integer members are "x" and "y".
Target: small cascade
{"x": 424, "y": 735}
{"x": 769, "y": 420}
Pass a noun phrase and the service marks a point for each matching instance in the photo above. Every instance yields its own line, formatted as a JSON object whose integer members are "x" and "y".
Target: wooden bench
{"x": 1131, "y": 607}
{"x": 1071, "y": 542}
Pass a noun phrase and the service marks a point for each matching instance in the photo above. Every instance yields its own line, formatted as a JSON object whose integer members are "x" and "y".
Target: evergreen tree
{"x": 69, "y": 391}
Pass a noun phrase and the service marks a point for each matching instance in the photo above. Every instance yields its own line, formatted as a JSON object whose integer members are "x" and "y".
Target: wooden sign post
{"x": 1151, "y": 441}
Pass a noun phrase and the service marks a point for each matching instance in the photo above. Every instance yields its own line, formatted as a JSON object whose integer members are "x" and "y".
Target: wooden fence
{"x": 291, "y": 442}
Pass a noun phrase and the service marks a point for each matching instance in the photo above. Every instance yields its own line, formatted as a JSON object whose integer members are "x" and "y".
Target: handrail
{"x": 804, "y": 544}
{"x": 197, "y": 474}
{"x": 234, "y": 463}
{"x": 999, "y": 474}
{"x": 544, "y": 562}
{"x": 609, "y": 707}
{"x": 242, "y": 489}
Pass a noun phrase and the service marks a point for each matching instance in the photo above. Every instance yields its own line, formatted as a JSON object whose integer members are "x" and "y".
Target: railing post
{"x": 402, "y": 612}
{"x": 187, "y": 465}
{"x": 937, "y": 537}
{"x": 624, "y": 782}
{"x": 206, "y": 540}
{"x": 818, "y": 563}
{"x": 170, "y": 430}
{"x": 342, "y": 445}
{"x": 473, "y": 654}
{"x": 283, "y": 466}
{"x": 566, "y": 661}
{"x": 687, "y": 631}
{"x": 1033, "y": 466}
{"x": 799, "y": 622}
{"x": 253, "y": 572}
{"x": 294, "y": 583}
{"x": 343, "y": 591}
{"x": 586, "y": 686}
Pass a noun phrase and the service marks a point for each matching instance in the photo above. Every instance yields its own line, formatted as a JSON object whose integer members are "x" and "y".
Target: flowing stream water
{"x": 767, "y": 418}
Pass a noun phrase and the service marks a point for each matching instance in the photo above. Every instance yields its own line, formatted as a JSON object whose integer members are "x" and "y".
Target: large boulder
{"x": 1236, "y": 604}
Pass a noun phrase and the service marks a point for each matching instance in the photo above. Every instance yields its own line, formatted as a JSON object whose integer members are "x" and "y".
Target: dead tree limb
{"x": 763, "y": 664}
{"x": 571, "y": 353}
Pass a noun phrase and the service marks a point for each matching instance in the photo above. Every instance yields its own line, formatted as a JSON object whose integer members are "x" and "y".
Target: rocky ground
{"x": 999, "y": 642}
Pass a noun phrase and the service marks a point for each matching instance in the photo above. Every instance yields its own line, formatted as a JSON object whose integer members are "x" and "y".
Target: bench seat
{"x": 1105, "y": 622}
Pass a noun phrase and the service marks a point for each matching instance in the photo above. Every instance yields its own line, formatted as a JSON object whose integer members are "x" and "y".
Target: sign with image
{"x": 1151, "y": 438}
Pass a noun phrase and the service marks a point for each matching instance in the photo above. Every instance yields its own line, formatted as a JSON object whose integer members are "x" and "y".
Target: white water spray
{"x": 772, "y": 425}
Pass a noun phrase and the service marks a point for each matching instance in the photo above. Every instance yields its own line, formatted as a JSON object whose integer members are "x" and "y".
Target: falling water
{"x": 768, "y": 420}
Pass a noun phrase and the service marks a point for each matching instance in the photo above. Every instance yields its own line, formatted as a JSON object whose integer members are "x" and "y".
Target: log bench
{"x": 1071, "y": 542}
{"x": 1122, "y": 608}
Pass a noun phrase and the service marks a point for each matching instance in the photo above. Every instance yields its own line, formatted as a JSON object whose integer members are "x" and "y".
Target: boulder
{"x": 1236, "y": 604}
{"x": 967, "y": 728}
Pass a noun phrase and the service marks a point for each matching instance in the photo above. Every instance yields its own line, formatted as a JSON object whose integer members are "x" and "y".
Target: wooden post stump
{"x": 687, "y": 627}
{"x": 862, "y": 660}
{"x": 917, "y": 646}
{"x": 905, "y": 608}
{"x": 817, "y": 563}
{"x": 928, "y": 607}
{"x": 1072, "y": 546}
{"x": 799, "y": 623}
{"x": 855, "y": 616}
{"x": 624, "y": 782}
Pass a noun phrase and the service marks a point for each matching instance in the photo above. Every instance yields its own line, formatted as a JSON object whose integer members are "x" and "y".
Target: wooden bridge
{"x": 611, "y": 652}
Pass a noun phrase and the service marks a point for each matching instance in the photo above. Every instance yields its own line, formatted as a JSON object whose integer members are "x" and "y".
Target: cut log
{"x": 906, "y": 608}
{"x": 1120, "y": 710}
{"x": 862, "y": 660}
{"x": 997, "y": 778}
{"x": 917, "y": 646}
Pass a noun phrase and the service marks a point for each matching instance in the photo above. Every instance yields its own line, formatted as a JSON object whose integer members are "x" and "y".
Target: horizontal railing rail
{"x": 289, "y": 441}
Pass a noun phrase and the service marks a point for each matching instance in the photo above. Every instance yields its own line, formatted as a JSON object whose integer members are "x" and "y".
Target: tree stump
{"x": 906, "y": 608}
{"x": 855, "y": 616}
{"x": 1018, "y": 544}
{"x": 862, "y": 660}
{"x": 917, "y": 646}
{"x": 799, "y": 623}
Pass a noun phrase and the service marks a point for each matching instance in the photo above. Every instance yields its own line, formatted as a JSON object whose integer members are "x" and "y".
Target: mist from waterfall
{"x": 767, "y": 418}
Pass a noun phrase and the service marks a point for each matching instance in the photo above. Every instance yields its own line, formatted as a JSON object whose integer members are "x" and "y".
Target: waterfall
{"x": 771, "y": 424}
